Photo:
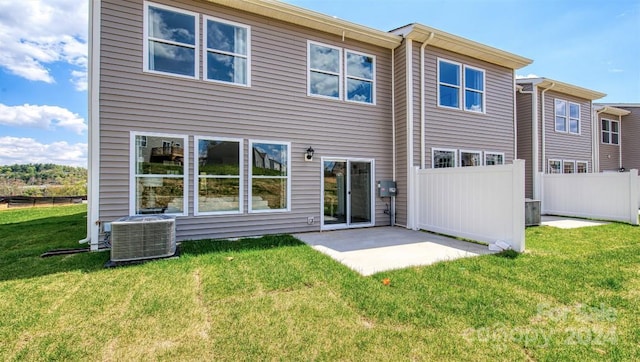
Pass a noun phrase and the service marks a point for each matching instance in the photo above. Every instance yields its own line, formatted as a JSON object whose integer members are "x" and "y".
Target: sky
{"x": 594, "y": 44}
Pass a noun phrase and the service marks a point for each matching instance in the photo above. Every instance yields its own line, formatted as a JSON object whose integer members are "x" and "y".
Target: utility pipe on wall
{"x": 534, "y": 137}
{"x": 422, "y": 101}
{"x": 544, "y": 123}
{"x": 595, "y": 154}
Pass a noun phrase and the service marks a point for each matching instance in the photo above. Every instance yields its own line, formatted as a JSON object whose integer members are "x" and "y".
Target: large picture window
{"x": 170, "y": 40}
{"x": 269, "y": 176}
{"x": 227, "y": 51}
{"x": 218, "y": 171}
{"x": 610, "y": 132}
{"x": 443, "y": 158}
{"x": 158, "y": 184}
{"x": 324, "y": 70}
{"x": 360, "y": 77}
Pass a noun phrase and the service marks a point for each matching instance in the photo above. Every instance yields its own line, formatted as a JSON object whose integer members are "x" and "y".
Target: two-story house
{"x": 618, "y": 145}
{"x": 556, "y": 130}
{"x": 257, "y": 117}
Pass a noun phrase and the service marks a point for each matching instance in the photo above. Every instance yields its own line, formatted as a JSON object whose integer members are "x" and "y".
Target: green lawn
{"x": 575, "y": 295}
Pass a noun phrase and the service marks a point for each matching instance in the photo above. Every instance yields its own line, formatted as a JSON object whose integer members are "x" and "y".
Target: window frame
{"x": 459, "y": 87}
{"x": 146, "y": 38}
{"x": 609, "y": 132}
{"x": 206, "y": 50}
{"x": 568, "y": 162}
{"x": 586, "y": 166}
{"x": 251, "y": 177}
{"x": 197, "y": 177}
{"x": 133, "y": 175}
{"x": 482, "y": 92}
{"x": 549, "y": 168}
{"x": 569, "y": 118}
{"x": 451, "y": 150}
{"x": 479, "y": 153}
{"x": 347, "y": 77}
{"x": 492, "y": 153}
{"x": 339, "y": 74}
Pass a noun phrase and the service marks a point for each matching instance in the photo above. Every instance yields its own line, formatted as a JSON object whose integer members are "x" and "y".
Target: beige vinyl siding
{"x": 524, "y": 115}
{"x": 276, "y": 107}
{"x": 566, "y": 146}
{"x": 631, "y": 138}
{"x": 401, "y": 133}
{"x": 609, "y": 154}
{"x": 458, "y": 129}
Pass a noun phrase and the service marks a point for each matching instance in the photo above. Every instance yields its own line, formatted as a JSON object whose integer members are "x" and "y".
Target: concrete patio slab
{"x": 563, "y": 222}
{"x": 372, "y": 250}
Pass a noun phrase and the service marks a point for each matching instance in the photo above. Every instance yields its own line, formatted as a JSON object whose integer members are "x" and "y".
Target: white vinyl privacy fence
{"x": 607, "y": 196}
{"x": 478, "y": 203}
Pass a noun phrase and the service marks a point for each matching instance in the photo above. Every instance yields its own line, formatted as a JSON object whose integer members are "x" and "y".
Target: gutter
{"x": 422, "y": 101}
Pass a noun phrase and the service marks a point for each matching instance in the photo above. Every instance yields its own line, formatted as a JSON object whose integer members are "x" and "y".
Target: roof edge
{"x": 611, "y": 110}
{"x": 562, "y": 87}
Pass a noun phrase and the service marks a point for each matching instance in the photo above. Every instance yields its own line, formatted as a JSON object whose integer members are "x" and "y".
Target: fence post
{"x": 517, "y": 176}
{"x": 633, "y": 196}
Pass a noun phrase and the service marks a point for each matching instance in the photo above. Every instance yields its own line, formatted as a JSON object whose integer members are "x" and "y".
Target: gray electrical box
{"x": 387, "y": 189}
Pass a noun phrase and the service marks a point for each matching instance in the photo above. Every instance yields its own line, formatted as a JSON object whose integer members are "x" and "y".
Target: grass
{"x": 573, "y": 296}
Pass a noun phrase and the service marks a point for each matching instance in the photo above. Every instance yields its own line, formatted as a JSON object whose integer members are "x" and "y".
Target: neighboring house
{"x": 619, "y": 145}
{"x": 455, "y": 105}
{"x": 231, "y": 94}
{"x": 555, "y": 129}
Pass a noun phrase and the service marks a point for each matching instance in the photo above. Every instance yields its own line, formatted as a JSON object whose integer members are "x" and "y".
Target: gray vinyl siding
{"x": 401, "y": 133}
{"x": 458, "y": 129}
{"x": 524, "y": 115}
{"x": 276, "y": 107}
{"x": 609, "y": 154}
{"x": 631, "y": 138}
{"x": 566, "y": 146}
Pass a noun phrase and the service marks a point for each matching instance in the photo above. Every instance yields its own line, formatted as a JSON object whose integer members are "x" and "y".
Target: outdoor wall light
{"x": 308, "y": 156}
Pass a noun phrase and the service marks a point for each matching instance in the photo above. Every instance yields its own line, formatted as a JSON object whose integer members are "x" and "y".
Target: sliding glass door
{"x": 347, "y": 193}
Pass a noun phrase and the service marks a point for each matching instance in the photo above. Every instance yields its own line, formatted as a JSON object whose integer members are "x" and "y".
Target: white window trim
{"x": 133, "y": 175}
{"x": 459, "y": 87}
{"x": 482, "y": 92}
{"x": 487, "y": 153}
{"x": 610, "y": 132}
{"x": 555, "y": 115}
{"x": 205, "y": 51}
{"x": 564, "y": 162}
{"x": 569, "y": 118}
{"x": 339, "y": 74}
{"x": 586, "y": 163}
{"x": 250, "y": 175}
{"x": 433, "y": 156}
{"x": 549, "y": 166}
{"x": 196, "y": 175}
{"x": 347, "y": 77}
{"x": 479, "y": 153}
{"x": 145, "y": 40}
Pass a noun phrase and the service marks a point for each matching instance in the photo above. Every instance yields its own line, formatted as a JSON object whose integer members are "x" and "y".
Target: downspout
{"x": 393, "y": 132}
{"x": 535, "y": 144}
{"x": 515, "y": 118}
{"x": 544, "y": 139}
{"x": 409, "y": 95}
{"x": 422, "y": 101}
{"x": 93, "y": 161}
{"x": 620, "y": 141}
{"x": 596, "y": 140}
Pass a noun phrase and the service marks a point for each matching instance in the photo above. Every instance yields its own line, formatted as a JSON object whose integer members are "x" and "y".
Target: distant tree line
{"x": 42, "y": 179}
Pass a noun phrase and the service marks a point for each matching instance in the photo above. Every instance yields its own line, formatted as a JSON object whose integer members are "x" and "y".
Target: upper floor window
{"x": 170, "y": 40}
{"x": 610, "y": 132}
{"x": 360, "y": 77}
{"x": 327, "y": 75}
{"x": 567, "y": 116}
{"x": 227, "y": 51}
{"x": 451, "y": 78}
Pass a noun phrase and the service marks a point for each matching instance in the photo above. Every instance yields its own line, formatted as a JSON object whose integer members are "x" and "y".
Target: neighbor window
{"x": 158, "y": 174}
{"x": 360, "y": 77}
{"x": 269, "y": 176}
{"x": 582, "y": 166}
{"x": 227, "y": 51}
{"x": 555, "y": 166}
{"x": 470, "y": 158}
{"x": 567, "y": 116}
{"x": 568, "y": 167}
{"x": 170, "y": 40}
{"x": 610, "y": 132}
{"x": 493, "y": 158}
{"x": 443, "y": 158}
{"x": 473, "y": 89}
{"x": 218, "y": 172}
{"x": 448, "y": 84}
{"x": 324, "y": 70}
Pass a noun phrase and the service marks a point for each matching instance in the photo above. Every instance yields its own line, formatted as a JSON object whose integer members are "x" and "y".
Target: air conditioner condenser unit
{"x": 142, "y": 237}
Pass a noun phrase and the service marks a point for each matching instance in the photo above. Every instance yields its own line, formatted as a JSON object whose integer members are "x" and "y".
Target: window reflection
{"x": 270, "y": 176}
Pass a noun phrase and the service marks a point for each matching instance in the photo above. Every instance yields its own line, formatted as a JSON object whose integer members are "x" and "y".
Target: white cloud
{"x": 27, "y": 150}
{"x": 45, "y": 117}
{"x": 520, "y": 76}
{"x": 37, "y": 33}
